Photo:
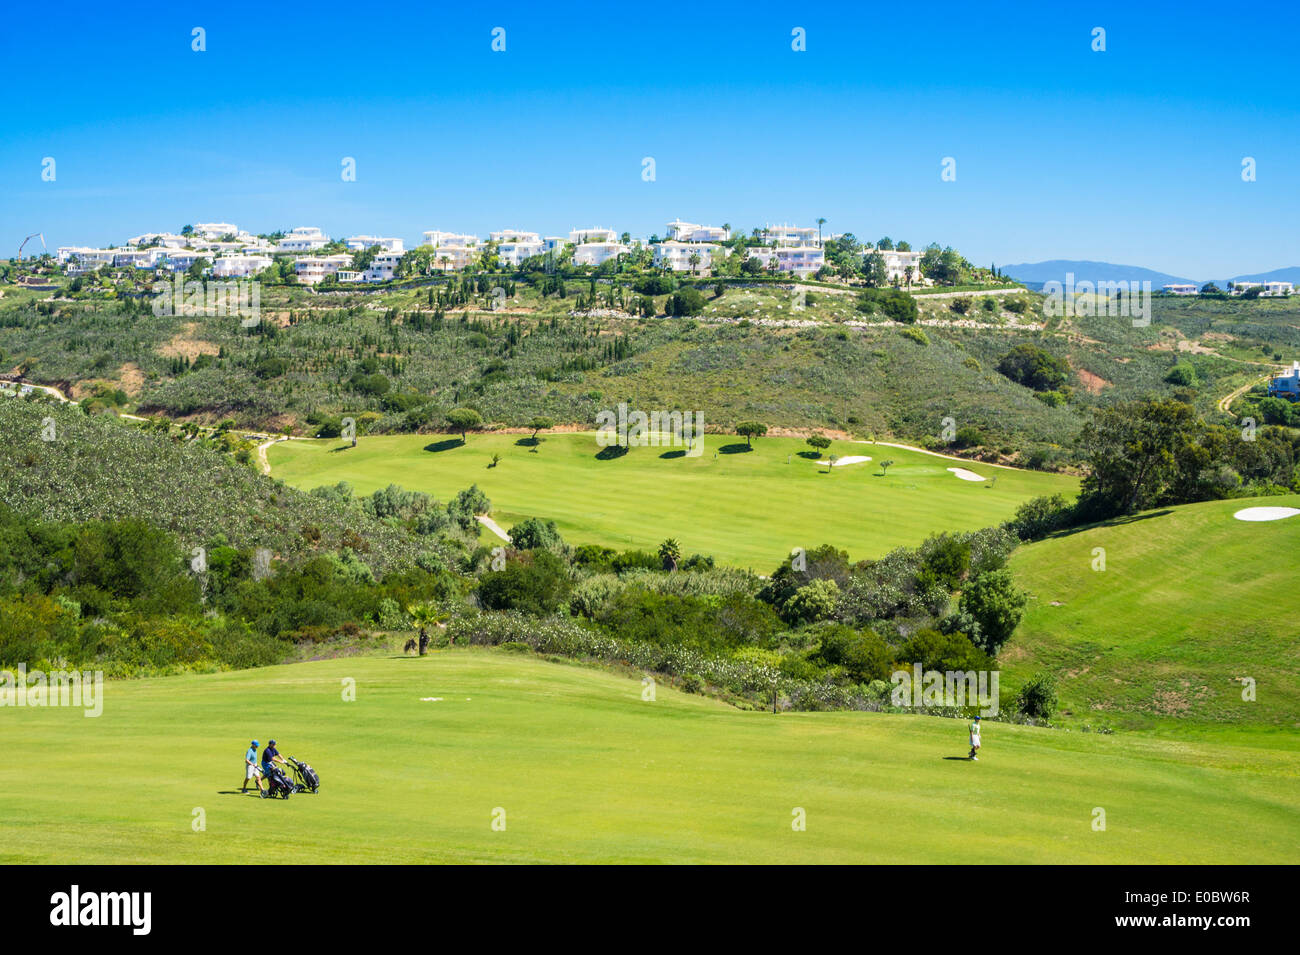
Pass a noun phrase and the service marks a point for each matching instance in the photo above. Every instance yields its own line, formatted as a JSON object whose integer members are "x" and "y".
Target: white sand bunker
{"x": 1265, "y": 513}
{"x": 966, "y": 475}
{"x": 847, "y": 459}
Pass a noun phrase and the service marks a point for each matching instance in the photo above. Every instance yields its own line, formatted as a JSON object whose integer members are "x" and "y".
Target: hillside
{"x": 1190, "y": 601}
{"x": 399, "y": 363}
{"x": 99, "y": 468}
{"x": 586, "y": 771}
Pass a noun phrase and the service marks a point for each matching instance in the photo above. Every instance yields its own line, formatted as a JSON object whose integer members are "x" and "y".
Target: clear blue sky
{"x": 1130, "y": 156}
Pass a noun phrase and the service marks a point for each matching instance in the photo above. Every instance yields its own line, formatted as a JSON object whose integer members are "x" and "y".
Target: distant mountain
{"x": 1035, "y": 274}
{"x": 1290, "y": 274}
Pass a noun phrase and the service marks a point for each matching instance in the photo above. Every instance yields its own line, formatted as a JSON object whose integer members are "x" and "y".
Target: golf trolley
{"x": 305, "y": 778}
{"x": 277, "y": 784}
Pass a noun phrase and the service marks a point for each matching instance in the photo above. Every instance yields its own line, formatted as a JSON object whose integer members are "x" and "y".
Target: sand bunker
{"x": 1265, "y": 513}
{"x": 967, "y": 475}
{"x": 847, "y": 459}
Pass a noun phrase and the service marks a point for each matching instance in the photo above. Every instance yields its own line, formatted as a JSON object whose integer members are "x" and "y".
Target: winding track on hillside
{"x": 1226, "y": 401}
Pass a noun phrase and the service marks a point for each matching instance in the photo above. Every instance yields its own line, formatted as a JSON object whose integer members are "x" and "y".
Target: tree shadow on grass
{"x": 444, "y": 445}
{"x": 810, "y": 455}
{"x": 680, "y": 453}
{"x": 341, "y": 447}
{"x": 613, "y": 452}
{"x": 1111, "y": 522}
{"x": 962, "y": 759}
{"x": 735, "y": 449}
{"x": 528, "y": 442}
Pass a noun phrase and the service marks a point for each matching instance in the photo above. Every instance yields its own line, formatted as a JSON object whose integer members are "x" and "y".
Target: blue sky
{"x": 1130, "y": 156}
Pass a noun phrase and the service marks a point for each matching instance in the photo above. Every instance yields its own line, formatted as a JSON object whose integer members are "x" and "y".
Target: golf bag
{"x": 305, "y": 777}
{"x": 277, "y": 784}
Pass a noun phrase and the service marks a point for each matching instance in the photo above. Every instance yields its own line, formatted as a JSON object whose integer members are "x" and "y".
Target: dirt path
{"x": 494, "y": 527}
{"x": 1226, "y": 401}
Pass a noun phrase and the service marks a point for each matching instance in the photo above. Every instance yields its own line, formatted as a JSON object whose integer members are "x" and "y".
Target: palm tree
{"x": 670, "y": 552}
{"x": 908, "y": 272}
{"x": 820, "y": 223}
{"x": 426, "y": 615}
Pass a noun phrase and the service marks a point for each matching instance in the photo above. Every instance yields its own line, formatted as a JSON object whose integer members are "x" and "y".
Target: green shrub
{"x": 1037, "y": 698}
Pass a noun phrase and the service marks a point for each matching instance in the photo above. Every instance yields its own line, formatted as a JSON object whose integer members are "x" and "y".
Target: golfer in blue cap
{"x": 250, "y": 767}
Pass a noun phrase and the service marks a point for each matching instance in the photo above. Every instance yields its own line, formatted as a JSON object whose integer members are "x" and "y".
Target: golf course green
{"x": 417, "y": 767}
{"x": 747, "y": 508}
{"x": 1159, "y": 618}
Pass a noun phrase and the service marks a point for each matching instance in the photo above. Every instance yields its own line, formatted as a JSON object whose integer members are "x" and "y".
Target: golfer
{"x": 975, "y": 739}
{"x": 271, "y": 756}
{"x": 250, "y": 767}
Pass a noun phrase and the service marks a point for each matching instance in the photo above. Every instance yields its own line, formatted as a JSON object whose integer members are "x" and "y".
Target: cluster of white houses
{"x": 688, "y": 247}
{"x": 1271, "y": 289}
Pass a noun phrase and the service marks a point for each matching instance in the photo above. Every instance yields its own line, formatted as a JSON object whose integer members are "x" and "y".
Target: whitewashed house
{"x": 513, "y": 253}
{"x": 789, "y": 235}
{"x": 677, "y": 255}
{"x": 1179, "y": 289}
{"x": 452, "y": 240}
{"x": 360, "y": 242}
{"x": 579, "y": 236}
{"x": 679, "y": 231}
{"x": 514, "y": 235}
{"x": 179, "y": 260}
{"x": 303, "y": 239}
{"x": 240, "y": 266}
{"x": 594, "y": 253}
{"x": 80, "y": 259}
{"x": 383, "y": 267}
{"x": 802, "y": 260}
{"x": 312, "y": 269}
{"x": 897, "y": 263}
{"x": 215, "y": 230}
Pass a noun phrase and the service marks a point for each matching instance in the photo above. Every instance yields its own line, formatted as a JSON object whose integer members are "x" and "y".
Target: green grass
{"x": 1190, "y": 600}
{"x": 747, "y": 508}
{"x": 588, "y": 772}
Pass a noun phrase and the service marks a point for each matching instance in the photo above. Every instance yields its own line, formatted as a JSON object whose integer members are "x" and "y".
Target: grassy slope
{"x": 1190, "y": 600}
{"x": 587, "y": 771}
{"x": 748, "y": 508}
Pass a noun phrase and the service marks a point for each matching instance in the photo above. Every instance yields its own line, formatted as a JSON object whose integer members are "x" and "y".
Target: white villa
{"x": 166, "y": 239}
{"x": 782, "y": 235}
{"x": 799, "y": 259}
{"x": 1180, "y": 289}
{"x": 594, "y": 253}
{"x": 87, "y": 259}
{"x": 240, "y": 266}
{"x": 580, "y": 236}
{"x": 455, "y": 240}
{"x": 1270, "y": 289}
{"x": 679, "y": 231}
{"x": 215, "y": 230}
{"x": 383, "y": 266}
{"x": 312, "y": 269}
{"x": 303, "y": 239}
{"x": 514, "y": 251}
{"x": 897, "y": 263}
{"x": 513, "y": 235}
{"x": 178, "y": 260}
{"x": 677, "y": 255}
{"x": 359, "y": 242}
